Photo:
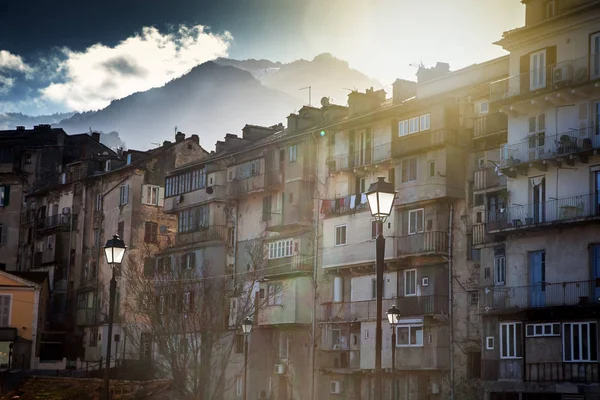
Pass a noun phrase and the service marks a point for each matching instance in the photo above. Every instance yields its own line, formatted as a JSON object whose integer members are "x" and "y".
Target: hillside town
{"x": 271, "y": 267}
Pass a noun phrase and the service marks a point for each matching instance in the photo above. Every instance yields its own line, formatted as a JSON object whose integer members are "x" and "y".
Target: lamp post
{"x": 246, "y": 328}
{"x": 381, "y": 195}
{"x": 393, "y": 315}
{"x": 114, "y": 250}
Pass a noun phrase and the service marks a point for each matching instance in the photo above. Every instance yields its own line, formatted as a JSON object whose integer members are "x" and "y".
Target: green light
{"x": 323, "y": 133}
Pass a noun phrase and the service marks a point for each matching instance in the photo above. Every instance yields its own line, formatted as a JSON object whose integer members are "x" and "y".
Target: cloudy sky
{"x": 79, "y": 55}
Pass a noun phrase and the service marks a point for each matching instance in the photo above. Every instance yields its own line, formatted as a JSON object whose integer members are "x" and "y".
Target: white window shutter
{"x": 126, "y": 192}
{"x": 161, "y": 197}
{"x": 144, "y": 194}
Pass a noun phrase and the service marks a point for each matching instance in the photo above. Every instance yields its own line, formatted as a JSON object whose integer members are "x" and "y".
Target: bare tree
{"x": 192, "y": 315}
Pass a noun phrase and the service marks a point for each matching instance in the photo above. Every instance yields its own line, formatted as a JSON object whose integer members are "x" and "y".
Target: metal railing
{"x": 540, "y": 147}
{"x": 208, "y": 234}
{"x": 367, "y": 309}
{"x": 423, "y": 140}
{"x": 487, "y": 178}
{"x": 551, "y": 77}
{"x": 58, "y": 220}
{"x": 360, "y": 158}
{"x": 522, "y": 216}
{"x": 488, "y": 124}
{"x": 562, "y": 372}
{"x": 546, "y": 294}
{"x": 425, "y": 242}
{"x": 340, "y": 359}
{"x": 255, "y": 183}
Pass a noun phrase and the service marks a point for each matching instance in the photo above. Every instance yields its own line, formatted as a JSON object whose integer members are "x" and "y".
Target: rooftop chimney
{"x": 195, "y": 139}
{"x": 166, "y": 143}
{"x": 427, "y": 74}
{"x": 179, "y": 137}
{"x": 403, "y": 89}
{"x": 42, "y": 127}
{"x": 20, "y": 128}
{"x": 96, "y": 136}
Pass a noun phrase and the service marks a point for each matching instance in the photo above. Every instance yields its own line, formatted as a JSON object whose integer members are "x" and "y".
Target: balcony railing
{"x": 343, "y": 205}
{"x": 208, "y": 234}
{"x": 424, "y": 140}
{"x": 489, "y": 124}
{"x": 562, "y": 372}
{"x": 550, "y": 212}
{"x": 255, "y": 183}
{"x": 58, "y": 220}
{"x": 547, "y": 294}
{"x": 487, "y": 178}
{"x": 340, "y": 359}
{"x": 426, "y": 242}
{"x": 367, "y": 310}
{"x": 360, "y": 158}
{"x": 288, "y": 265}
{"x": 540, "y": 147}
{"x": 552, "y": 77}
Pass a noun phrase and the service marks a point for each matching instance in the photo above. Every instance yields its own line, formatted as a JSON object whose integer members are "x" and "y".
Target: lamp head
{"x": 114, "y": 250}
{"x": 380, "y": 196}
{"x": 246, "y": 326}
{"x": 393, "y": 316}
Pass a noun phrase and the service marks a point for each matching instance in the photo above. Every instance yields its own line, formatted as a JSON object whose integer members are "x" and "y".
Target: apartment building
{"x": 539, "y": 255}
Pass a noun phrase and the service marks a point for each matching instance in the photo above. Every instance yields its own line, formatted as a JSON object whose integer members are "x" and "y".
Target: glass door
{"x": 537, "y": 277}
{"x": 537, "y": 75}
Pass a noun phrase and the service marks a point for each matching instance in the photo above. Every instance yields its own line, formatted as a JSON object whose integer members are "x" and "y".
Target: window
{"x": 293, "y": 153}
{"x": 99, "y": 202}
{"x": 414, "y": 125}
{"x": 432, "y": 169}
{"x": 4, "y": 196}
{"x": 541, "y": 330}
{"x": 124, "y": 195}
{"x": 188, "y": 261}
{"x": 239, "y": 386}
{"x": 409, "y": 170}
{"x": 5, "y": 309}
{"x": 489, "y": 343}
{"x": 362, "y": 185}
{"x": 484, "y": 107}
{"x": 403, "y": 128}
{"x": 510, "y": 340}
{"x": 409, "y": 335}
{"x": 266, "y": 208}
{"x": 274, "y": 293}
{"x": 193, "y": 219}
{"x": 94, "y": 337}
{"x": 239, "y": 344}
{"x": 416, "y": 220}
{"x": 537, "y": 70}
{"x": 580, "y": 341}
{"x": 150, "y": 232}
{"x": 424, "y": 122}
{"x": 281, "y": 248}
{"x": 150, "y": 195}
{"x": 185, "y": 182}
{"x": 410, "y": 282}
{"x": 550, "y": 10}
{"x": 486, "y": 273}
{"x": 500, "y": 270}
{"x": 340, "y": 235}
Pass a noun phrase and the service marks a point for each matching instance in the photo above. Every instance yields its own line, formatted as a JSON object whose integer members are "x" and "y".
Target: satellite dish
{"x": 325, "y": 101}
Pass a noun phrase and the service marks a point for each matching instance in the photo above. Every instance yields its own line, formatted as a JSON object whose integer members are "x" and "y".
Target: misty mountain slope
{"x": 11, "y": 120}
{"x": 327, "y": 75}
{"x": 210, "y": 100}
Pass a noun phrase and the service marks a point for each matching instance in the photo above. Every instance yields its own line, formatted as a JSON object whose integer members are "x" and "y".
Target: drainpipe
{"x": 315, "y": 270}
{"x": 450, "y": 296}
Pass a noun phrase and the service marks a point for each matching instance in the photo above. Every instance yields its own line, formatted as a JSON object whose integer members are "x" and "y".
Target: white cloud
{"x": 6, "y": 84}
{"x": 9, "y": 61}
{"x": 100, "y": 74}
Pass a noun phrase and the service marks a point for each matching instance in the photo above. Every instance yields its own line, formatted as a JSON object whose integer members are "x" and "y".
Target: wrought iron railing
{"x": 487, "y": 178}
{"x": 539, "y": 146}
{"x": 360, "y": 158}
{"x": 489, "y": 124}
{"x": 544, "y": 294}
{"x": 522, "y": 216}
{"x": 58, "y": 220}
{"x": 551, "y": 77}
{"x": 424, "y": 242}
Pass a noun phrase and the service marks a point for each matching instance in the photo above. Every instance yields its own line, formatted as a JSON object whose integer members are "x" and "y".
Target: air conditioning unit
{"x": 179, "y": 199}
{"x": 335, "y": 387}
{"x": 279, "y": 369}
{"x": 561, "y": 74}
{"x": 66, "y": 210}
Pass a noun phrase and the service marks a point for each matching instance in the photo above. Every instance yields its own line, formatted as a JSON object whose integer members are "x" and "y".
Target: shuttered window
{"x": 5, "y": 310}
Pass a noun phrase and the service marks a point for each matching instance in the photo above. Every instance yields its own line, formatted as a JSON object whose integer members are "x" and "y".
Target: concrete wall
{"x": 294, "y": 308}
{"x": 11, "y": 220}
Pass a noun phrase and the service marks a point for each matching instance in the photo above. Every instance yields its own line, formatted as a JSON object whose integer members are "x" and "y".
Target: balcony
{"x": 422, "y": 358}
{"x": 47, "y": 256}
{"x": 287, "y": 306}
{"x": 360, "y": 158}
{"x": 540, "y": 149}
{"x": 487, "y": 178}
{"x": 576, "y": 372}
{"x": 566, "y": 74}
{"x": 490, "y": 124}
{"x": 198, "y": 196}
{"x": 499, "y": 299}
{"x": 547, "y": 213}
{"x": 289, "y": 265}
{"x": 296, "y": 216}
{"x": 422, "y": 141}
{"x": 213, "y": 233}
{"x": 57, "y": 221}
{"x": 434, "y": 242}
{"x": 255, "y": 183}
{"x": 367, "y": 310}
{"x": 340, "y": 359}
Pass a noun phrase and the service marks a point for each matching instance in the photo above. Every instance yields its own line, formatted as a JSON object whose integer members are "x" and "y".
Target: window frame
{"x": 543, "y": 326}
{"x": 497, "y": 261}
{"x": 517, "y": 351}
{"x": 490, "y": 342}
{"x": 414, "y": 288}
{"x": 275, "y": 295}
{"x": 411, "y": 327}
{"x": 403, "y": 128}
{"x": 487, "y": 107}
{"x": 409, "y": 171}
{"x": 123, "y": 195}
{"x": 283, "y": 248}
{"x": 150, "y": 235}
{"x": 293, "y": 153}
{"x": 152, "y": 191}
{"x": 338, "y": 236}
{"x": 537, "y": 77}
{"x": 430, "y": 164}
{"x": 591, "y": 357}
{"x": 8, "y": 296}
{"x": 416, "y": 231}
{"x": 424, "y": 119}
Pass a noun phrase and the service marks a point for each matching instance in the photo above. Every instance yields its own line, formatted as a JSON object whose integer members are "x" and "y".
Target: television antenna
{"x": 309, "y": 94}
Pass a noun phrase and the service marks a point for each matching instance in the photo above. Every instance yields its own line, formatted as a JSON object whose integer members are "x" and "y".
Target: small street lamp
{"x": 246, "y": 329}
{"x": 381, "y": 195}
{"x": 114, "y": 250}
{"x": 393, "y": 315}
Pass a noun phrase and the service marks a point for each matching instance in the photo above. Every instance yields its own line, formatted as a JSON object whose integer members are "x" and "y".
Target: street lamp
{"x": 381, "y": 195}
{"x": 246, "y": 329}
{"x": 393, "y": 315}
{"x": 114, "y": 250}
